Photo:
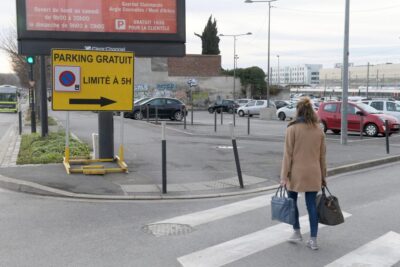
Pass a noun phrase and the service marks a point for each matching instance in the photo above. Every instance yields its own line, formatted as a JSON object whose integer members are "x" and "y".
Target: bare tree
{"x": 8, "y": 44}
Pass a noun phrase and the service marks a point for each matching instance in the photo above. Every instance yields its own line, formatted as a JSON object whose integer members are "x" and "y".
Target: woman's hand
{"x": 323, "y": 182}
{"x": 284, "y": 181}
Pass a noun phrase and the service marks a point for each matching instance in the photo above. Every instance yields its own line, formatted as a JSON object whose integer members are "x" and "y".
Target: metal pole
{"x": 164, "y": 158}
{"x": 157, "y": 115}
{"x": 345, "y": 76}
{"x": 67, "y": 137}
{"x": 387, "y": 136}
{"x": 215, "y": 120}
{"x": 184, "y": 117}
{"x": 19, "y": 118}
{"x": 236, "y": 154}
{"x": 234, "y": 78}
{"x": 325, "y": 86}
{"x": 279, "y": 78}
{"x": 106, "y": 135}
{"x": 43, "y": 98}
{"x": 121, "y": 138}
{"x": 222, "y": 116}
{"x": 147, "y": 110}
{"x": 248, "y": 122}
{"x": 367, "y": 78}
{"x": 361, "y": 126}
{"x": 33, "y": 115}
{"x": 377, "y": 82}
{"x": 191, "y": 101}
{"x": 269, "y": 46}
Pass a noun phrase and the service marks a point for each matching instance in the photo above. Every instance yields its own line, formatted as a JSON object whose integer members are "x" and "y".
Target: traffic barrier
{"x": 164, "y": 158}
{"x": 236, "y": 154}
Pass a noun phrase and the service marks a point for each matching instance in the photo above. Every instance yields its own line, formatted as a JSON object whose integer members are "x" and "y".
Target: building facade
{"x": 379, "y": 76}
{"x": 306, "y": 74}
{"x": 169, "y": 77}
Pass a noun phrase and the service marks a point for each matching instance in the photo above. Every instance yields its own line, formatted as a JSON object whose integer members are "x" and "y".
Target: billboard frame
{"x": 143, "y": 44}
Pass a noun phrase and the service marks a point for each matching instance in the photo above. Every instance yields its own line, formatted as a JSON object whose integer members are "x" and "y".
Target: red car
{"x": 373, "y": 120}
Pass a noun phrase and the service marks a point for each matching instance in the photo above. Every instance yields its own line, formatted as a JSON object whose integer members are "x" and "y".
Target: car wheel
{"x": 178, "y": 116}
{"x": 241, "y": 113}
{"x": 322, "y": 125}
{"x": 336, "y": 131}
{"x": 211, "y": 110}
{"x": 230, "y": 110}
{"x": 127, "y": 115}
{"x": 138, "y": 115}
{"x": 371, "y": 129}
{"x": 282, "y": 116}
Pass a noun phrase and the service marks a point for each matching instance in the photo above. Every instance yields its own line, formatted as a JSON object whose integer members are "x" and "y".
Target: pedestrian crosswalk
{"x": 383, "y": 251}
{"x": 244, "y": 246}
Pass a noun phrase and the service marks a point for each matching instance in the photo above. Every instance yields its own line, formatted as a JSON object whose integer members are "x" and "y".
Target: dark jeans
{"x": 312, "y": 211}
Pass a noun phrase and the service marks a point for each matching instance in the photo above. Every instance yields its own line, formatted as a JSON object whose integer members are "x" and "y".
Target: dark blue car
{"x": 164, "y": 107}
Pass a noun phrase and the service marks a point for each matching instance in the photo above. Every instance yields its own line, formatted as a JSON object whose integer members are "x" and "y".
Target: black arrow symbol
{"x": 102, "y": 101}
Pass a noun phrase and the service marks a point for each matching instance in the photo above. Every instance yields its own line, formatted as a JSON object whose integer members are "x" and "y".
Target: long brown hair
{"x": 305, "y": 112}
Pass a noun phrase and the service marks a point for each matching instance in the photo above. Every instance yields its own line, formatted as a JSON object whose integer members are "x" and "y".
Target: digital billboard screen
{"x": 146, "y": 27}
{"x": 112, "y": 16}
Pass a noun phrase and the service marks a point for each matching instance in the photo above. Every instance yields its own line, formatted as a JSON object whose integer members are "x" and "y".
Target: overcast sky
{"x": 302, "y": 31}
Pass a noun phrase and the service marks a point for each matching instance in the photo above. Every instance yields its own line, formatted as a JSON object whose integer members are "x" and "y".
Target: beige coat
{"x": 304, "y": 158}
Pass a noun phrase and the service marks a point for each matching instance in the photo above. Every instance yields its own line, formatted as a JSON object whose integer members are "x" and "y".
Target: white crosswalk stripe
{"x": 205, "y": 216}
{"x": 384, "y": 251}
{"x": 244, "y": 246}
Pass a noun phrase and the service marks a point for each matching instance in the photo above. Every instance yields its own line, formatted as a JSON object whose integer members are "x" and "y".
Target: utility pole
{"x": 279, "y": 77}
{"x": 377, "y": 82}
{"x": 367, "y": 78}
{"x": 345, "y": 76}
{"x": 325, "y": 86}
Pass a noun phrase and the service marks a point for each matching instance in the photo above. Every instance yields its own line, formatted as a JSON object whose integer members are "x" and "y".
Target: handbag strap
{"x": 327, "y": 189}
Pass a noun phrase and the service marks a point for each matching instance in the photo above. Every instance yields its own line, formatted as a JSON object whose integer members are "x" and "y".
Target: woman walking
{"x": 304, "y": 166}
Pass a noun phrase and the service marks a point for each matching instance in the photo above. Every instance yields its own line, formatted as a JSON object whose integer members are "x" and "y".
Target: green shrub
{"x": 35, "y": 149}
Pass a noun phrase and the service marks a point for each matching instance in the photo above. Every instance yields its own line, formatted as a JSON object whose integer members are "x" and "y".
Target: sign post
{"x": 94, "y": 81}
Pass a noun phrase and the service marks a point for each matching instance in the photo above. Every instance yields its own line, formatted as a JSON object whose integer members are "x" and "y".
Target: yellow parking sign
{"x": 92, "y": 80}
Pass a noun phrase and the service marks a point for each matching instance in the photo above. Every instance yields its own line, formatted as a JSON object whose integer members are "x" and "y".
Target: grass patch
{"x": 35, "y": 149}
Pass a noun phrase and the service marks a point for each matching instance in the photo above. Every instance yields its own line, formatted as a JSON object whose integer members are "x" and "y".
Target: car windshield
{"x": 368, "y": 108}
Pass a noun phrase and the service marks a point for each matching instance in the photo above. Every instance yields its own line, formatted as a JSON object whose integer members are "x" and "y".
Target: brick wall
{"x": 195, "y": 65}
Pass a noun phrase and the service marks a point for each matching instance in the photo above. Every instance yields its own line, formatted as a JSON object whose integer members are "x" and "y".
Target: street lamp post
{"x": 269, "y": 37}
{"x": 279, "y": 77}
{"x": 235, "y": 57}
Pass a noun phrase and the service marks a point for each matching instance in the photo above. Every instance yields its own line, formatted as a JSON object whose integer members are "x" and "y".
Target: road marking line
{"x": 244, "y": 246}
{"x": 384, "y": 251}
{"x": 206, "y": 216}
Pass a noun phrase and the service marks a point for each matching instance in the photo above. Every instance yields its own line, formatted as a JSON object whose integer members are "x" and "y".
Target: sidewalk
{"x": 186, "y": 183}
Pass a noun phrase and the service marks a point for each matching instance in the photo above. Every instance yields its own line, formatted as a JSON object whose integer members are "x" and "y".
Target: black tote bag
{"x": 329, "y": 212}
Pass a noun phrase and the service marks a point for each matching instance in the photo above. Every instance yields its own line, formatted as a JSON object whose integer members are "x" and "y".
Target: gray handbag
{"x": 283, "y": 208}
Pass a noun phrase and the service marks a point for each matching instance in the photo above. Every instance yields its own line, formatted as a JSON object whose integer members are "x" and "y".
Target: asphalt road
{"x": 41, "y": 231}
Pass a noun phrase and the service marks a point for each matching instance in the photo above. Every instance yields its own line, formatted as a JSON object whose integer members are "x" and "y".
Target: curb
{"x": 37, "y": 189}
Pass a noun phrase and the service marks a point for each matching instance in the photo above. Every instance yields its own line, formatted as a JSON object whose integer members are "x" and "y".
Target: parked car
{"x": 281, "y": 103}
{"x": 373, "y": 120}
{"x": 226, "y": 105}
{"x": 253, "y": 107}
{"x": 289, "y": 111}
{"x": 386, "y": 106}
{"x": 243, "y": 101}
{"x": 167, "y": 108}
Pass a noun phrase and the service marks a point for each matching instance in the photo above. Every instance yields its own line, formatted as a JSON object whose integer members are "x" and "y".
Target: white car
{"x": 288, "y": 111}
{"x": 253, "y": 107}
{"x": 386, "y": 106}
{"x": 243, "y": 101}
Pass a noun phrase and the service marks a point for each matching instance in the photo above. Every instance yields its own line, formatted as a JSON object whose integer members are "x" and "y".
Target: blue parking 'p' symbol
{"x": 67, "y": 78}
